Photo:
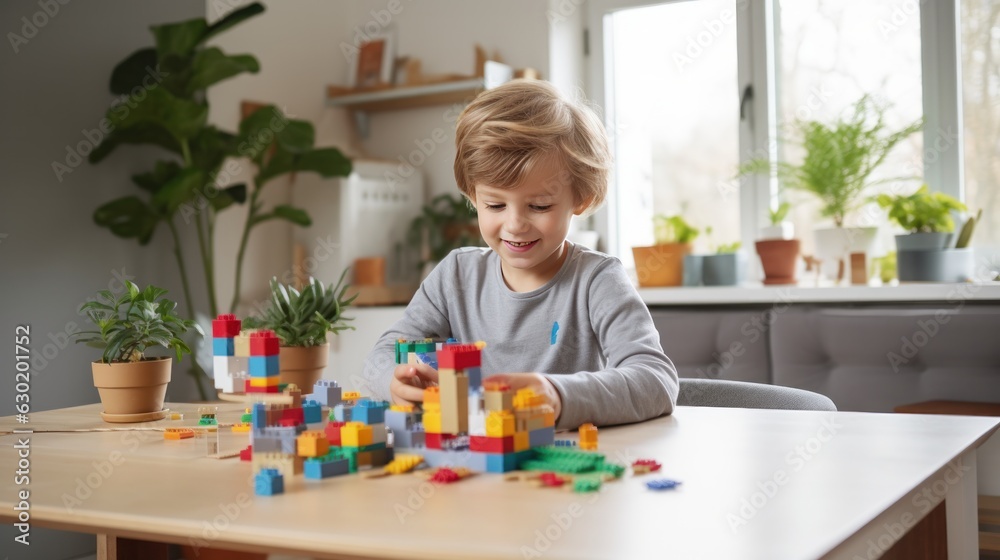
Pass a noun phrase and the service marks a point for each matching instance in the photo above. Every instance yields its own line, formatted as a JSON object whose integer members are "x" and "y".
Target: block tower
{"x": 229, "y": 370}
{"x": 263, "y": 362}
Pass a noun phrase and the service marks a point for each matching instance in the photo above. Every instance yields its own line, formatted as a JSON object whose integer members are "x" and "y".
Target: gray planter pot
{"x": 723, "y": 270}
{"x": 693, "y": 270}
{"x": 943, "y": 265}
{"x": 924, "y": 241}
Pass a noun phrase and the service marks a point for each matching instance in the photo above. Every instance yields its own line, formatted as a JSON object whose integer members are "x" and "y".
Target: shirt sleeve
{"x": 639, "y": 381}
{"x": 426, "y": 316}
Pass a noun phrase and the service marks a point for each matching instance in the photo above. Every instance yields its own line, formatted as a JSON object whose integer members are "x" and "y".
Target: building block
{"x": 223, "y": 347}
{"x": 242, "y": 427}
{"x": 265, "y": 382}
{"x": 264, "y": 343}
{"x": 295, "y": 414}
{"x": 522, "y": 441}
{"x": 438, "y": 458}
{"x": 226, "y": 326}
{"x": 264, "y": 365}
{"x": 432, "y": 422}
{"x": 369, "y": 411}
{"x": 259, "y": 419}
{"x": 475, "y": 375}
{"x": 454, "y": 391}
{"x": 287, "y": 464}
{"x": 343, "y": 412}
{"x": 327, "y": 393}
{"x": 541, "y": 436}
{"x": 477, "y": 423}
{"x": 247, "y": 454}
{"x": 403, "y": 464}
{"x": 662, "y": 484}
{"x": 356, "y": 434}
{"x": 492, "y": 444}
{"x": 312, "y": 444}
{"x": 459, "y": 356}
{"x": 501, "y": 462}
{"x": 269, "y": 482}
{"x": 437, "y": 441}
{"x": 332, "y": 431}
{"x": 312, "y": 411}
{"x": 499, "y": 424}
{"x": 400, "y": 421}
{"x": 428, "y": 358}
{"x": 319, "y": 468}
{"x": 526, "y": 398}
{"x": 178, "y": 433}
{"x": 379, "y": 433}
{"x": 432, "y": 395}
{"x": 350, "y": 396}
{"x": 241, "y": 344}
{"x": 498, "y": 397}
{"x": 588, "y": 437}
{"x": 643, "y": 466}
{"x": 409, "y": 440}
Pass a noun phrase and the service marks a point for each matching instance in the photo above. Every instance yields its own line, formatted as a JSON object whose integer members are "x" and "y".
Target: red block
{"x": 251, "y": 389}
{"x": 434, "y": 441}
{"x": 459, "y": 356}
{"x": 264, "y": 343}
{"x": 486, "y": 444}
{"x": 226, "y": 326}
{"x": 295, "y": 414}
{"x": 288, "y": 423}
{"x": 247, "y": 454}
{"x": 333, "y": 432}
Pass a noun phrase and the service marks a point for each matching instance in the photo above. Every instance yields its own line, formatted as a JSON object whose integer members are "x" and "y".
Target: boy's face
{"x": 527, "y": 225}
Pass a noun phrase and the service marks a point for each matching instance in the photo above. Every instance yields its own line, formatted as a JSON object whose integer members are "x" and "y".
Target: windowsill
{"x": 759, "y": 294}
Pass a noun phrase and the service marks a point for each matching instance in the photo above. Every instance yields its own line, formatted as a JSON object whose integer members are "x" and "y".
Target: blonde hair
{"x": 507, "y": 130}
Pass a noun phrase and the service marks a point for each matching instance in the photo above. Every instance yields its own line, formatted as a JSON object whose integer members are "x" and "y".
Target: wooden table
{"x": 756, "y": 484}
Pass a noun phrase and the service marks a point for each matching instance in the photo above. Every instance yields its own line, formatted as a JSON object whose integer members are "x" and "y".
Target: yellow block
{"x": 521, "y": 441}
{"x": 432, "y": 407}
{"x": 432, "y": 395}
{"x": 265, "y": 381}
{"x": 499, "y": 424}
{"x": 241, "y": 427}
{"x": 351, "y": 395}
{"x": 312, "y": 444}
{"x": 355, "y": 434}
{"x": 432, "y": 422}
{"x": 403, "y": 407}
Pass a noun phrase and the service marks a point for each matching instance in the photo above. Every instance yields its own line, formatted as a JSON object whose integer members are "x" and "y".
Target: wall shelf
{"x": 361, "y": 103}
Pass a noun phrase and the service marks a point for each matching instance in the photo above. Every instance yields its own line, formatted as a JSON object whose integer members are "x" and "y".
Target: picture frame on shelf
{"x": 372, "y": 63}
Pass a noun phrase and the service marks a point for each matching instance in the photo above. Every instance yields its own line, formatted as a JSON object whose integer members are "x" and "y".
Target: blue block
{"x": 259, "y": 416}
{"x": 662, "y": 484}
{"x": 407, "y": 439}
{"x": 500, "y": 462}
{"x": 327, "y": 393}
{"x": 264, "y": 366}
{"x": 429, "y": 358}
{"x": 269, "y": 482}
{"x": 369, "y": 411}
{"x": 316, "y": 469}
{"x": 266, "y": 443}
{"x": 475, "y": 376}
{"x": 223, "y": 347}
{"x": 441, "y": 458}
{"x": 541, "y": 436}
{"x": 400, "y": 421}
{"x": 312, "y": 412}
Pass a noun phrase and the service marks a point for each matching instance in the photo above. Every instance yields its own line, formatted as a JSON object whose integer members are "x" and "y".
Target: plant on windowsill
{"x": 162, "y": 93}
{"x": 836, "y": 167}
{"x": 662, "y": 264}
{"x": 926, "y": 252}
{"x": 133, "y": 387}
{"x": 301, "y": 320}
{"x": 724, "y": 267}
{"x": 447, "y": 223}
{"x": 777, "y": 248}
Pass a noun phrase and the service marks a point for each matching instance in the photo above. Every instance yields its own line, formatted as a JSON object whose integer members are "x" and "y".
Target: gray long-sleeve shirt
{"x": 587, "y": 330}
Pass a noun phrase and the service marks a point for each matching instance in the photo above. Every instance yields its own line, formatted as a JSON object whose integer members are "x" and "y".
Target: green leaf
{"x": 182, "y": 118}
{"x": 233, "y": 18}
{"x": 145, "y": 133}
{"x": 179, "y": 39}
{"x": 211, "y": 66}
{"x": 296, "y": 137}
{"x": 327, "y": 162}
{"x": 210, "y": 147}
{"x": 229, "y": 196}
{"x": 130, "y": 73}
{"x": 295, "y": 215}
{"x": 182, "y": 188}
{"x": 162, "y": 173}
{"x": 128, "y": 217}
{"x": 257, "y": 132}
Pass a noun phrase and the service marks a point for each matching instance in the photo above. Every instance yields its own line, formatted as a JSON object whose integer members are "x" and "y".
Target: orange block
{"x": 178, "y": 433}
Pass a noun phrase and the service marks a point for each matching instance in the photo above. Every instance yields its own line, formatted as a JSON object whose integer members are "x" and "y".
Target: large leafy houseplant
{"x": 132, "y": 386}
{"x": 922, "y": 211}
{"x": 164, "y": 104}
{"x": 839, "y": 158}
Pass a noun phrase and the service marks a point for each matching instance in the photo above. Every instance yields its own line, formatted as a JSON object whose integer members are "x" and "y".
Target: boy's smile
{"x": 527, "y": 225}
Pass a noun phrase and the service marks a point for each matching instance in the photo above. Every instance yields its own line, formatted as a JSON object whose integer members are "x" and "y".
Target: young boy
{"x": 555, "y": 316}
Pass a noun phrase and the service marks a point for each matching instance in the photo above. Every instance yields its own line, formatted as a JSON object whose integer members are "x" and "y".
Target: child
{"x": 529, "y": 160}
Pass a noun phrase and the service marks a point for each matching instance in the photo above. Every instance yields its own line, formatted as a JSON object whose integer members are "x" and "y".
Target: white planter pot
{"x": 836, "y": 244}
{"x": 784, "y": 230}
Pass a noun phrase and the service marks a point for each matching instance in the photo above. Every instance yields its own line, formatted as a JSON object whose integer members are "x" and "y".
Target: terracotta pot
{"x": 660, "y": 265}
{"x": 303, "y": 365}
{"x": 132, "y": 388}
{"x": 779, "y": 258}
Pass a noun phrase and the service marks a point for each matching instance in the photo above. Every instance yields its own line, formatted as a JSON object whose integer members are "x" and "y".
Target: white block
{"x": 477, "y": 424}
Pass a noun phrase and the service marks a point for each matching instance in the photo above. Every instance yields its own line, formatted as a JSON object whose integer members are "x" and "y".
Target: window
{"x": 675, "y": 119}
{"x": 980, "y": 39}
{"x": 674, "y": 86}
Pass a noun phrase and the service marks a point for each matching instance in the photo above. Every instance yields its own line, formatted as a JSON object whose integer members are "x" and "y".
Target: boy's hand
{"x": 536, "y": 381}
{"x": 409, "y": 381}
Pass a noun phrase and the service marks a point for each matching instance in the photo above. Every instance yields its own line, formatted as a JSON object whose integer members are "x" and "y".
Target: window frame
{"x": 940, "y": 40}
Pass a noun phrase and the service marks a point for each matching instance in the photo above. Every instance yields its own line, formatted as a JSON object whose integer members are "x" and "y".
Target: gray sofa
{"x": 864, "y": 357}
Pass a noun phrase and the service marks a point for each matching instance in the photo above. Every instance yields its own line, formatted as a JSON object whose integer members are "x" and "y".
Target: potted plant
{"x": 133, "y": 386}
{"x": 836, "y": 168}
{"x": 725, "y": 267}
{"x": 301, "y": 319}
{"x": 662, "y": 263}
{"x": 447, "y": 223}
{"x": 163, "y": 90}
{"x": 777, "y": 248}
{"x": 926, "y": 252}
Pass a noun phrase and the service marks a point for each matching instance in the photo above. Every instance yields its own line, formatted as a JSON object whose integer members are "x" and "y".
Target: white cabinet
{"x": 349, "y": 349}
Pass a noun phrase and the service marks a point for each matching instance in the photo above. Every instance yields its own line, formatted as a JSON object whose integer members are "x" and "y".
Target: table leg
{"x": 107, "y": 547}
{"x": 962, "y": 510}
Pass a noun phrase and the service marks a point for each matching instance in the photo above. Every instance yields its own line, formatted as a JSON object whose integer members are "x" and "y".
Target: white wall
{"x": 52, "y": 255}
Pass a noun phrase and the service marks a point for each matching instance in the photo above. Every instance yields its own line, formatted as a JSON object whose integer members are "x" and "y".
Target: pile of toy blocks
{"x": 464, "y": 423}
